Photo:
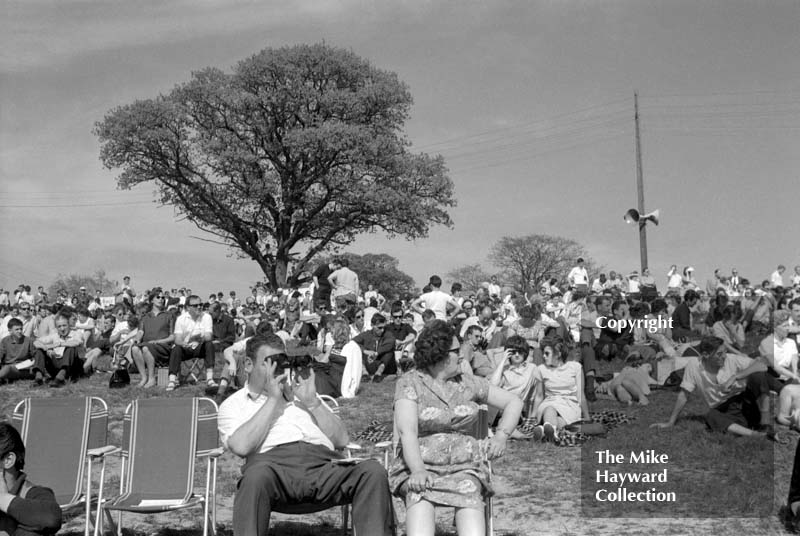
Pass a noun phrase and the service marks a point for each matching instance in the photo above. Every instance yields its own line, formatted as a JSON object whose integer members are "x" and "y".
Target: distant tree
{"x": 470, "y": 276}
{"x": 379, "y": 269}
{"x": 73, "y": 282}
{"x": 297, "y": 151}
{"x": 527, "y": 260}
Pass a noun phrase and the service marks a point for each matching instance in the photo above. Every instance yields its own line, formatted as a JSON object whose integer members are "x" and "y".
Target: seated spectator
{"x": 30, "y": 321}
{"x": 558, "y": 398}
{"x": 439, "y": 463}
{"x": 26, "y": 509}
{"x": 377, "y": 348}
{"x": 234, "y": 361}
{"x": 529, "y": 326}
{"x": 288, "y": 438}
{"x": 615, "y": 340}
{"x": 473, "y": 352}
{"x": 57, "y": 354}
{"x": 779, "y": 351}
{"x": 485, "y": 320}
{"x": 515, "y": 372}
{"x": 339, "y": 367}
{"x": 158, "y": 335}
{"x": 682, "y": 317}
{"x": 735, "y": 389}
{"x": 632, "y": 383}
{"x": 730, "y": 330}
{"x": 403, "y": 333}
{"x": 193, "y": 335}
{"x": 15, "y": 350}
{"x": 223, "y": 328}
{"x": 85, "y": 323}
{"x": 99, "y": 342}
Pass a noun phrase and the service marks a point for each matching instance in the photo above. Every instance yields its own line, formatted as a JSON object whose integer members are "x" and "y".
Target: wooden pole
{"x": 640, "y": 188}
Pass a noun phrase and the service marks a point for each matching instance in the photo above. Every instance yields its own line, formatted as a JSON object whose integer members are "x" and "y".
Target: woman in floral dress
{"x": 438, "y": 462}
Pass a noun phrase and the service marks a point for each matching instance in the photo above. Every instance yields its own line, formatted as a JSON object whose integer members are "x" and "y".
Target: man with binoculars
{"x": 287, "y": 437}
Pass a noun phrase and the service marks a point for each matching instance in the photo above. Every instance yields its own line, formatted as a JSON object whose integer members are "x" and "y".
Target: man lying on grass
{"x": 736, "y": 389}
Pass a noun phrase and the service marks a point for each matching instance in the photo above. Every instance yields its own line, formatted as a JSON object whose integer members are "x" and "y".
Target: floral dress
{"x": 447, "y": 413}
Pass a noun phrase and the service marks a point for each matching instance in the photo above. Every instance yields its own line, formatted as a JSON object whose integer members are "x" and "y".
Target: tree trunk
{"x": 280, "y": 272}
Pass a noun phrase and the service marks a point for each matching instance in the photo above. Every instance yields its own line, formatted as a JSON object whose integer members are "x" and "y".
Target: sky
{"x": 530, "y": 103}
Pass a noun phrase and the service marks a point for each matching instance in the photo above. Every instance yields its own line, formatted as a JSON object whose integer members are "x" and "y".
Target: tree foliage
{"x": 73, "y": 282}
{"x": 380, "y": 270}
{"x": 296, "y": 151}
{"x": 471, "y": 277}
{"x": 527, "y": 260}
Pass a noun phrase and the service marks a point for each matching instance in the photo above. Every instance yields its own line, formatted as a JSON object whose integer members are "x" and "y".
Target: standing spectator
{"x": 322, "y": 287}
{"x": 193, "y": 335}
{"x": 494, "y": 289}
{"x": 688, "y": 282}
{"x": 83, "y": 298}
{"x": 647, "y": 286}
{"x": 674, "y": 280}
{"x": 713, "y": 283}
{"x": 344, "y": 284}
{"x": 436, "y": 300}
{"x": 735, "y": 279}
{"x": 776, "y": 279}
{"x": 578, "y": 277}
{"x": 796, "y": 278}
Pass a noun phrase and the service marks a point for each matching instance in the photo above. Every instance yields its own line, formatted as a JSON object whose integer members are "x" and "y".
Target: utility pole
{"x": 640, "y": 186}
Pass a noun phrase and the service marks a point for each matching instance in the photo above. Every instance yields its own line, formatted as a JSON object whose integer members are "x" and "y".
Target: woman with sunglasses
{"x": 515, "y": 373}
{"x": 438, "y": 462}
{"x": 558, "y": 398}
{"x": 25, "y": 508}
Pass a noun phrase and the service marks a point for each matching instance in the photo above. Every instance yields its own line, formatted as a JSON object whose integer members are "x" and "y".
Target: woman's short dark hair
{"x": 560, "y": 349}
{"x": 518, "y": 343}
{"x": 11, "y": 441}
{"x": 433, "y": 344}
{"x": 658, "y": 305}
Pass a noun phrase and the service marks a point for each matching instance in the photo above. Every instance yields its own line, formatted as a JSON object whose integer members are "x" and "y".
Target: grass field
{"x": 724, "y": 485}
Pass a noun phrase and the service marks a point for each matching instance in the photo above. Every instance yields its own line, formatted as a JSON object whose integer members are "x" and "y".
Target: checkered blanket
{"x": 375, "y": 432}
{"x": 566, "y": 438}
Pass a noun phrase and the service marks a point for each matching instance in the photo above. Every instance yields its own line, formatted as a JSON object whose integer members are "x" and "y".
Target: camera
{"x": 482, "y": 344}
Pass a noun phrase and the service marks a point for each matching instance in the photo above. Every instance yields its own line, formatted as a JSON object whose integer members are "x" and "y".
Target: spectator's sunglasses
{"x": 359, "y": 316}
{"x": 519, "y": 351}
{"x": 398, "y": 317}
{"x": 25, "y": 308}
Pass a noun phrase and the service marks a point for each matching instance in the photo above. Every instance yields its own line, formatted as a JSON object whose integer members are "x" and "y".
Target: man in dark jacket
{"x": 25, "y": 508}
{"x": 377, "y": 349}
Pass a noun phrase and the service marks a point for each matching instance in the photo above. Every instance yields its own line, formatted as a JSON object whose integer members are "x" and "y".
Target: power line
{"x": 79, "y": 205}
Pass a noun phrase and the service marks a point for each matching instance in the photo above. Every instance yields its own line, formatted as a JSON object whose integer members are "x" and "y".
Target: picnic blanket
{"x": 377, "y": 431}
{"x": 567, "y": 438}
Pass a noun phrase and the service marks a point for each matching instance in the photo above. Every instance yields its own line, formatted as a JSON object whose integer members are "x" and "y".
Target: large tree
{"x": 296, "y": 151}
{"x": 527, "y": 260}
{"x": 72, "y": 283}
{"x": 381, "y": 271}
{"x": 471, "y": 277}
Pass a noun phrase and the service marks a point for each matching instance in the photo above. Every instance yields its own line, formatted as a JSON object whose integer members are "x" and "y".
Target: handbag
{"x": 121, "y": 377}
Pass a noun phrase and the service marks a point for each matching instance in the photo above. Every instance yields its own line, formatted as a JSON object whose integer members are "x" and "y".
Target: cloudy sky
{"x": 530, "y": 102}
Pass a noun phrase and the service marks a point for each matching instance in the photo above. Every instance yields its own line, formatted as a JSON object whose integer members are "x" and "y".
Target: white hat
{"x": 690, "y": 269}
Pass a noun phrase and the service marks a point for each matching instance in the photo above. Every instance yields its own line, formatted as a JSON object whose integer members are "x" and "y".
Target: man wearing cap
{"x": 578, "y": 277}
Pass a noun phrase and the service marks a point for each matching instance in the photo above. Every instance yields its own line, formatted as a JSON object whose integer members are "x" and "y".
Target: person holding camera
{"x": 287, "y": 437}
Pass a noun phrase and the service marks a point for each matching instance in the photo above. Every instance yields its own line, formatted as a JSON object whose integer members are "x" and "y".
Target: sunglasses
{"x": 193, "y": 304}
{"x": 398, "y": 317}
{"x": 359, "y": 316}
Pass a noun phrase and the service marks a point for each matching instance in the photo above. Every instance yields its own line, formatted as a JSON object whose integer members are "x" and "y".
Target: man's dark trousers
{"x": 299, "y": 473}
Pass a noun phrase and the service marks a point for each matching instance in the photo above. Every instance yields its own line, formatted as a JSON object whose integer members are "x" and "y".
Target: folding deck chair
{"x": 162, "y": 437}
{"x": 63, "y": 437}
